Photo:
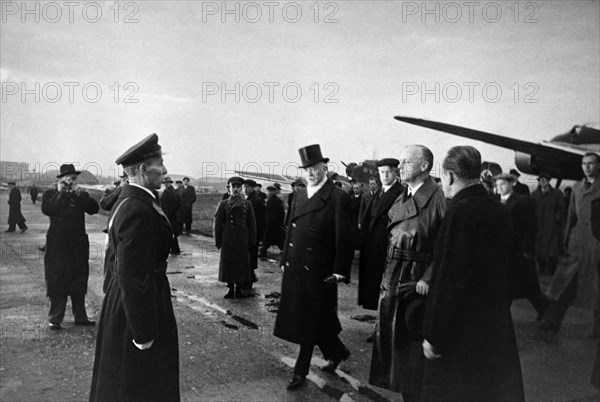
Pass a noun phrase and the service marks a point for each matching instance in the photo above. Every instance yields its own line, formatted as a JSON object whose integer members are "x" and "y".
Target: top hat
{"x": 393, "y": 162}
{"x": 235, "y": 180}
{"x": 67, "y": 169}
{"x": 311, "y": 155}
{"x": 514, "y": 172}
{"x": 146, "y": 148}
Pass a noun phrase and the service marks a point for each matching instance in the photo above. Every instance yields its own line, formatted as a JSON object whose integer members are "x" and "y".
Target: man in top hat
{"x": 522, "y": 276}
{"x": 274, "y": 220}
{"x": 318, "y": 254}
{"x": 374, "y": 235}
{"x": 519, "y": 187}
{"x": 170, "y": 202}
{"x": 550, "y": 212}
{"x": 188, "y": 197}
{"x": 235, "y": 237}
{"x": 66, "y": 262}
{"x": 414, "y": 222}
{"x": 259, "y": 214}
{"x": 299, "y": 183}
{"x": 15, "y": 217}
{"x": 137, "y": 350}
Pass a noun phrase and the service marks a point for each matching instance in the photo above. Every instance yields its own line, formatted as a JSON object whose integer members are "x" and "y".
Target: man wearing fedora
{"x": 170, "y": 202}
{"x": 519, "y": 187}
{"x": 137, "y": 349}
{"x": 15, "y": 217}
{"x": 66, "y": 262}
{"x": 317, "y": 255}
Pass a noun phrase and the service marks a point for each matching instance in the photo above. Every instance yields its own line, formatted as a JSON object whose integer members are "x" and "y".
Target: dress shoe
{"x": 242, "y": 294}
{"x": 24, "y": 229}
{"x": 230, "y": 294}
{"x": 87, "y": 323}
{"x": 332, "y": 364}
{"x": 548, "y": 326}
{"x": 9, "y": 231}
{"x": 296, "y": 381}
{"x": 54, "y": 327}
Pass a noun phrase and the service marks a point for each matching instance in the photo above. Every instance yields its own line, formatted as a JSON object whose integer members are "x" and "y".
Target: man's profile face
{"x": 589, "y": 165}
{"x": 316, "y": 173}
{"x": 155, "y": 170}
{"x": 504, "y": 187}
{"x": 387, "y": 175}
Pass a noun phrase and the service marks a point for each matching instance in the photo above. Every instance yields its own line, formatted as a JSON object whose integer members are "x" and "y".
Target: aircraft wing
{"x": 278, "y": 178}
{"x": 544, "y": 150}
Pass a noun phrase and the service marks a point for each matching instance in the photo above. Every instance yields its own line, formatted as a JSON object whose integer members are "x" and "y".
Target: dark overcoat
{"x": 468, "y": 319}
{"x": 110, "y": 197}
{"x": 414, "y": 223}
{"x": 364, "y": 202}
{"x": 318, "y": 244}
{"x": 137, "y": 306}
{"x": 374, "y": 239}
{"x": 259, "y": 208}
{"x": 274, "y": 218}
{"x": 595, "y": 215}
{"x": 15, "y": 217}
{"x": 522, "y": 189}
{"x": 170, "y": 202}
{"x": 188, "y": 197}
{"x": 33, "y": 192}
{"x": 235, "y": 233}
{"x": 550, "y": 212}
{"x": 66, "y": 261}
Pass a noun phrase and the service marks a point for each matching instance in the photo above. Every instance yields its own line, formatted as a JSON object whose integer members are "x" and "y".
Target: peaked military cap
{"x": 146, "y": 148}
{"x": 393, "y": 162}
{"x": 235, "y": 180}
{"x": 250, "y": 182}
{"x": 311, "y": 155}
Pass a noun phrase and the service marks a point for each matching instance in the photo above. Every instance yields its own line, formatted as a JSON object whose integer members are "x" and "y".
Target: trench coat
{"x": 137, "y": 306}
{"x": 274, "y": 219}
{"x": 66, "y": 261}
{"x": 550, "y": 211}
{"x": 374, "y": 239}
{"x": 258, "y": 206}
{"x": 170, "y": 202}
{"x": 15, "y": 217}
{"x": 235, "y": 233}
{"x": 318, "y": 244}
{"x": 582, "y": 254}
{"x": 188, "y": 197}
{"x": 397, "y": 359}
{"x": 467, "y": 318}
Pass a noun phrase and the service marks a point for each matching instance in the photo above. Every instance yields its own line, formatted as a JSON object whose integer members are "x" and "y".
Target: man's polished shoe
{"x": 296, "y": 381}
{"x": 332, "y": 364}
{"x": 88, "y": 323}
{"x": 24, "y": 229}
{"x": 54, "y": 327}
{"x": 9, "y": 231}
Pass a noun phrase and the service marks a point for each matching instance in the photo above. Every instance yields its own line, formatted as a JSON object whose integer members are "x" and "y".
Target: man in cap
{"x": 550, "y": 212}
{"x": 66, "y": 262}
{"x": 235, "y": 236}
{"x": 520, "y": 188}
{"x": 137, "y": 350}
{"x": 318, "y": 253}
{"x": 259, "y": 214}
{"x": 15, "y": 217}
{"x": 299, "y": 183}
{"x": 188, "y": 197}
{"x": 374, "y": 235}
{"x": 576, "y": 277}
{"x": 415, "y": 219}
{"x": 366, "y": 198}
{"x": 274, "y": 219}
{"x": 522, "y": 276}
{"x": 170, "y": 202}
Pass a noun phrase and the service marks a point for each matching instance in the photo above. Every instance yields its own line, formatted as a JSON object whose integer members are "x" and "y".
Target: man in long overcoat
{"x": 188, "y": 197}
{"x": 137, "y": 351}
{"x": 366, "y": 198}
{"x": 274, "y": 219}
{"x": 235, "y": 234}
{"x": 318, "y": 253}
{"x": 469, "y": 339}
{"x": 576, "y": 277}
{"x": 15, "y": 217}
{"x": 415, "y": 219}
{"x": 258, "y": 206}
{"x": 550, "y": 212}
{"x": 33, "y": 192}
{"x": 170, "y": 202}
{"x": 374, "y": 235}
{"x": 66, "y": 262}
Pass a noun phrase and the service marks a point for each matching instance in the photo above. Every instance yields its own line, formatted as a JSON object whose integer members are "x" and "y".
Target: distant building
{"x": 16, "y": 171}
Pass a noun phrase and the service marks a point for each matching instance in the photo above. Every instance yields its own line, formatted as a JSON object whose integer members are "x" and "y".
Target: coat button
{"x": 308, "y": 248}
{"x": 293, "y": 225}
{"x": 306, "y": 268}
{"x": 291, "y": 244}
{"x": 287, "y": 264}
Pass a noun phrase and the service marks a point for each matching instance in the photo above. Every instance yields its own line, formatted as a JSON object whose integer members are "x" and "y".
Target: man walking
{"x": 318, "y": 253}
{"x": 137, "y": 351}
{"x": 15, "y": 217}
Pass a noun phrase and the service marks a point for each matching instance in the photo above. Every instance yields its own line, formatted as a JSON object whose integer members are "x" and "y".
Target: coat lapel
{"x": 134, "y": 192}
{"x": 405, "y": 208}
{"x": 305, "y": 205}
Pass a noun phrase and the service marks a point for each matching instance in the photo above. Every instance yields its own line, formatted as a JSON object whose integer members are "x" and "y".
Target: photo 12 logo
{"x": 71, "y": 92}
{"x": 53, "y": 12}
{"x": 271, "y": 92}
{"x": 453, "y": 92}
{"x": 269, "y": 11}
{"x": 470, "y": 11}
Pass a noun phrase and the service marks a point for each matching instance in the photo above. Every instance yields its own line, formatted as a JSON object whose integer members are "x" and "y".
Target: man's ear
{"x": 451, "y": 178}
{"x": 143, "y": 168}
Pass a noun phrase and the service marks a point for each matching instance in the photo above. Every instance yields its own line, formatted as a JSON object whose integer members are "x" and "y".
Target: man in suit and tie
{"x": 317, "y": 255}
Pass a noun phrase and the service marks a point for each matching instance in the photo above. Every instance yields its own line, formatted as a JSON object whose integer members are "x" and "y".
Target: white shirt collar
{"x": 504, "y": 198}
{"x": 311, "y": 190}
{"x": 143, "y": 188}
{"x": 384, "y": 188}
{"x": 412, "y": 191}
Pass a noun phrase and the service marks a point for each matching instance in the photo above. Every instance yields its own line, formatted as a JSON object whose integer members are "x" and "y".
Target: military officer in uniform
{"x": 318, "y": 253}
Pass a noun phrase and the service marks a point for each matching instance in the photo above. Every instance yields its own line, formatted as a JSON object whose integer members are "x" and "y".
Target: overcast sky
{"x": 356, "y": 63}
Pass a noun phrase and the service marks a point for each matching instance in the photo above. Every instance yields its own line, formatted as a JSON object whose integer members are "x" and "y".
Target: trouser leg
{"x": 175, "y": 245}
{"x": 57, "y": 309}
{"x": 78, "y": 305}
{"x": 558, "y": 308}
{"x": 304, "y": 356}
{"x": 332, "y": 347}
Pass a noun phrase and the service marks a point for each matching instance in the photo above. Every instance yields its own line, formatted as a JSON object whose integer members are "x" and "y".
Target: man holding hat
{"x": 519, "y": 187}
{"x": 235, "y": 236}
{"x": 66, "y": 262}
{"x": 137, "y": 350}
{"x": 170, "y": 202}
{"x": 550, "y": 212}
{"x": 318, "y": 254}
{"x": 15, "y": 217}
{"x": 414, "y": 222}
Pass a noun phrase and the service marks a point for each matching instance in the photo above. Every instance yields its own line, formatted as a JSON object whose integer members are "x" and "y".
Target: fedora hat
{"x": 67, "y": 169}
{"x": 311, "y": 155}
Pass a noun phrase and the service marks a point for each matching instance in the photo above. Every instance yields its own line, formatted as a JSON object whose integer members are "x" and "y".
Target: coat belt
{"x": 395, "y": 253}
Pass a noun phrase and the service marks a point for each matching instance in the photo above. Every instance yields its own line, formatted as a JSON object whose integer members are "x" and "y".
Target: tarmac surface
{"x": 227, "y": 350}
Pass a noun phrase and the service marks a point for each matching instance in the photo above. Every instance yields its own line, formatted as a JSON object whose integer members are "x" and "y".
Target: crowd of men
{"x": 440, "y": 262}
